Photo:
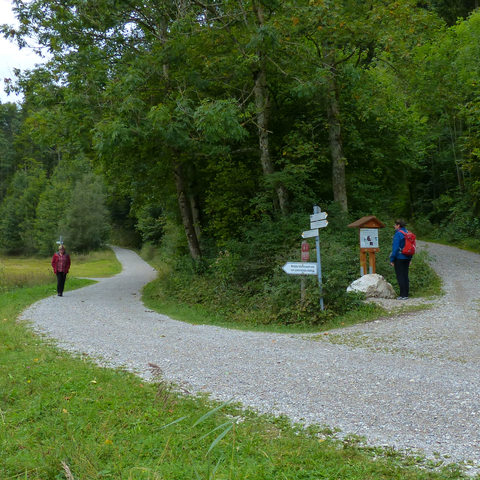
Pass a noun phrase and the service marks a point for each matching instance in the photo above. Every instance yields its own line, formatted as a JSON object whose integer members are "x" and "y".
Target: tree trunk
{"x": 336, "y": 145}
{"x": 185, "y": 203}
{"x": 195, "y": 209}
{"x": 186, "y": 212}
{"x": 262, "y": 104}
{"x": 455, "y": 134}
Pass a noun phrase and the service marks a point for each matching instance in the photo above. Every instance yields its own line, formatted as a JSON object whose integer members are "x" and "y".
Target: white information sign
{"x": 310, "y": 233}
{"x": 319, "y": 224}
{"x": 300, "y": 268}
{"x": 369, "y": 238}
{"x": 316, "y": 217}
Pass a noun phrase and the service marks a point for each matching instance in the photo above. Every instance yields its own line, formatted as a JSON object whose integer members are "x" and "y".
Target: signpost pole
{"x": 316, "y": 209}
{"x": 305, "y": 256}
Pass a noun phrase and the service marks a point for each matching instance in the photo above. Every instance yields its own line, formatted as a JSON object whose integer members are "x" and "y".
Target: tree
{"x": 17, "y": 211}
{"x": 9, "y": 125}
{"x": 342, "y": 40}
{"x": 85, "y": 224}
{"x": 54, "y": 202}
{"x": 451, "y": 10}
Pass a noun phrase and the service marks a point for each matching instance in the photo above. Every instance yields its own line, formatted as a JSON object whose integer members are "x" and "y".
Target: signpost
{"x": 305, "y": 258}
{"x": 317, "y": 221}
{"x": 316, "y": 211}
{"x": 300, "y": 268}
{"x": 316, "y": 217}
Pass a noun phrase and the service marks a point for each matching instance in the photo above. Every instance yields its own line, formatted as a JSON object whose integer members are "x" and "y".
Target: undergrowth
{"x": 243, "y": 285}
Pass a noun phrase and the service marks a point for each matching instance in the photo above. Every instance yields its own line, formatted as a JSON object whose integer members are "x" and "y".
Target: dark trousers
{"x": 61, "y": 277}
{"x": 401, "y": 270}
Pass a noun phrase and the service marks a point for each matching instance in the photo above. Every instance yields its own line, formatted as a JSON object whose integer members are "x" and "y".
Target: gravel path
{"x": 410, "y": 381}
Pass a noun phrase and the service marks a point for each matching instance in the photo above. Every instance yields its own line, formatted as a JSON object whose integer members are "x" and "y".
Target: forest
{"x": 204, "y": 131}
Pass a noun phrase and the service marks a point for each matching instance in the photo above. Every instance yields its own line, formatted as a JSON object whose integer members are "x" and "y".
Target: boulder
{"x": 372, "y": 285}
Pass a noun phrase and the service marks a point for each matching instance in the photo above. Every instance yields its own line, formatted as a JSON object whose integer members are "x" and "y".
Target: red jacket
{"x": 57, "y": 261}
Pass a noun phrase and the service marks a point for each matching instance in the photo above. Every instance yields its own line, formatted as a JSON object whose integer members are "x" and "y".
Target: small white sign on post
{"x": 310, "y": 233}
{"x": 369, "y": 238}
{"x": 316, "y": 217}
{"x": 300, "y": 268}
{"x": 319, "y": 224}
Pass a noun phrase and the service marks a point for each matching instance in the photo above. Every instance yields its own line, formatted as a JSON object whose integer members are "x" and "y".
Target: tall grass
{"x": 30, "y": 271}
{"x": 15, "y": 273}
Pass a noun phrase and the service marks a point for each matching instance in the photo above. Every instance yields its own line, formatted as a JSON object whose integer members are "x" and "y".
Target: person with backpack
{"x": 403, "y": 248}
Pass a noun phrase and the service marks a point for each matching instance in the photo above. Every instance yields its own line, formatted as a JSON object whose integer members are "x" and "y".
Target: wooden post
{"x": 363, "y": 262}
{"x": 371, "y": 258}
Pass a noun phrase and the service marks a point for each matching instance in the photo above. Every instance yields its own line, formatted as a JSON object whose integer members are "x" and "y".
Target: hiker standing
{"x": 400, "y": 260}
{"x": 61, "y": 265}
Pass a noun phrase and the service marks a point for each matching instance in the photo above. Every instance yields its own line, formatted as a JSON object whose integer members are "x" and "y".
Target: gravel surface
{"x": 410, "y": 381}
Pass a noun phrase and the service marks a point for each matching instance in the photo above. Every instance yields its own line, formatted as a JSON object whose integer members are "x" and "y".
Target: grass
{"x": 30, "y": 271}
{"x": 199, "y": 315}
{"x": 96, "y": 265}
{"x": 469, "y": 244}
{"x": 63, "y": 417}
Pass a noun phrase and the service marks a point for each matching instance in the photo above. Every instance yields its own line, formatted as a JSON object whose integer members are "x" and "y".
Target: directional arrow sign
{"x": 316, "y": 217}
{"x": 310, "y": 233}
{"x": 300, "y": 268}
{"x": 320, "y": 224}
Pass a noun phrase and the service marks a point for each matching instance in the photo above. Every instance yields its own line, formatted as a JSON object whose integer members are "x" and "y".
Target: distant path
{"x": 410, "y": 381}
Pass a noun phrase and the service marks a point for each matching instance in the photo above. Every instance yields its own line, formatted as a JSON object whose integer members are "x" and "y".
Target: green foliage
{"x": 451, "y": 10}
{"x": 85, "y": 226}
{"x": 151, "y": 224}
{"x": 9, "y": 126}
{"x": 243, "y": 284}
{"x": 17, "y": 213}
{"x": 227, "y": 201}
{"x": 219, "y": 121}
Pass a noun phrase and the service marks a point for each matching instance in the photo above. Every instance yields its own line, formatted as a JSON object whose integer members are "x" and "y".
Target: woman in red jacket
{"x": 61, "y": 265}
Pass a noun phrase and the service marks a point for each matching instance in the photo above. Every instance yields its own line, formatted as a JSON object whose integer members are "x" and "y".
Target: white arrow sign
{"x": 320, "y": 224}
{"x": 310, "y": 233}
{"x": 316, "y": 217}
{"x": 300, "y": 268}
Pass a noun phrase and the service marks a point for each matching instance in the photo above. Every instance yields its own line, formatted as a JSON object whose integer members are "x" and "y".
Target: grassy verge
{"x": 469, "y": 244}
{"x": 201, "y": 315}
{"x": 63, "y": 417}
{"x": 99, "y": 264}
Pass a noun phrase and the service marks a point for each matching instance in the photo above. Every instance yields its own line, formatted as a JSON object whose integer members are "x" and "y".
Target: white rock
{"x": 372, "y": 285}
